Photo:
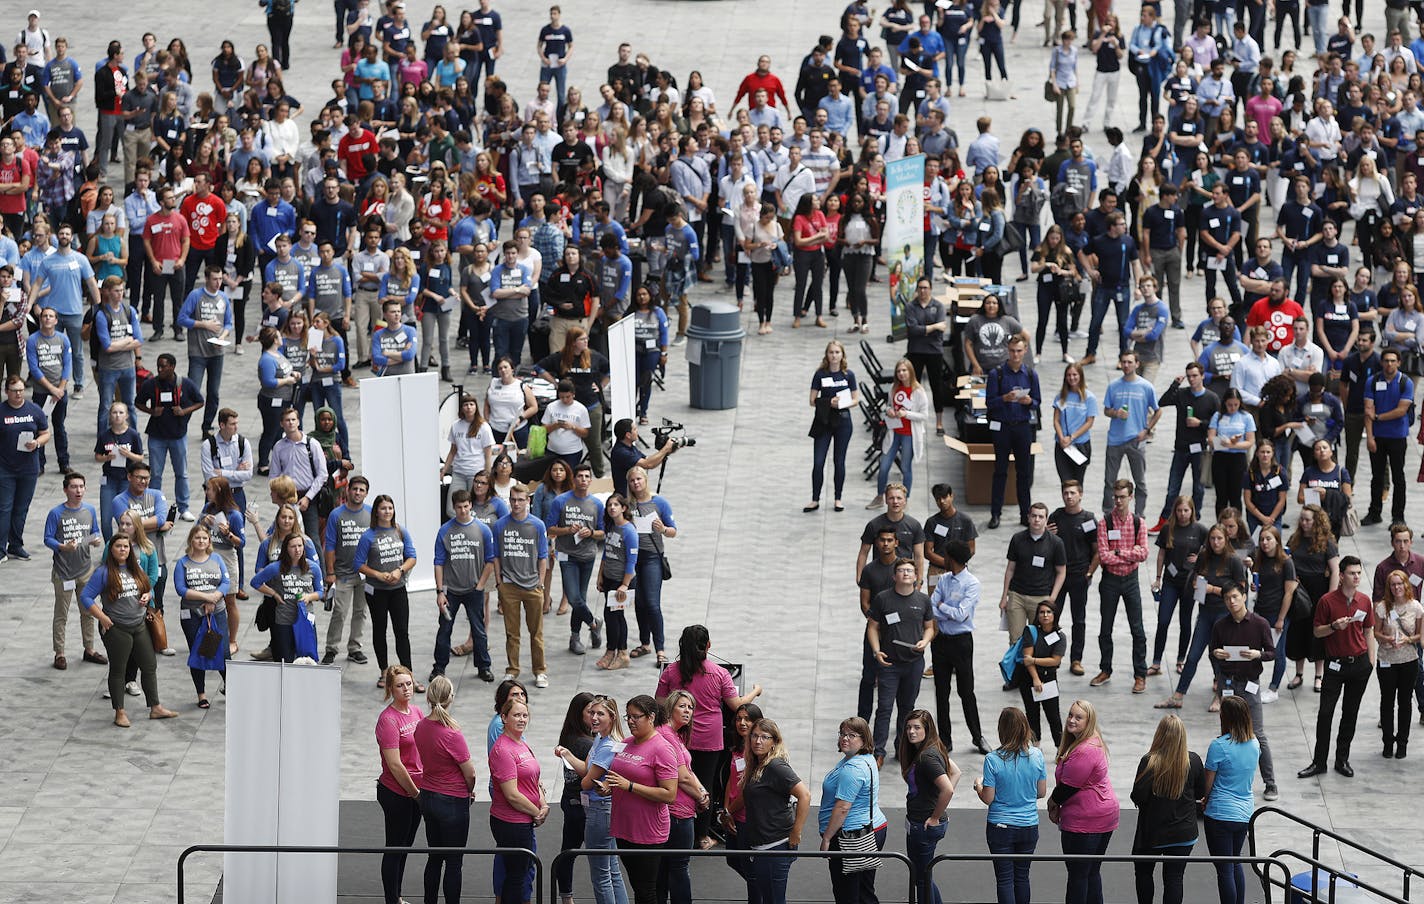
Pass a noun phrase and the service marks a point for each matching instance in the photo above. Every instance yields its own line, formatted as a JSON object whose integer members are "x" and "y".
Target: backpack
{"x": 282, "y": 7}
{"x": 1062, "y": 203}
{"x": 213, "y": 447}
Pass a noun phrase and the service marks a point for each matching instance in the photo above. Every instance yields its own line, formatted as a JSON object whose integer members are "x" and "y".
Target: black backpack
{"x": 282, "y": 8}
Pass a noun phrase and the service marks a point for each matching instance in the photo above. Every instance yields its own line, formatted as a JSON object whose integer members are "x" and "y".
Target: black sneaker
{"x": 358, "y": 657}
{"x": 1369, "y": 519}
{"x": 486, "y": 675}
{"x": 19, "y": 552}
{"x": 329, "y": 658}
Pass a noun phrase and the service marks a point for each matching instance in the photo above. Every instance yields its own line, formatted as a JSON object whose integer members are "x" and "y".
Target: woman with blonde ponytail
{"x": 446, "y": 783}
{"x": 397, "y": 791}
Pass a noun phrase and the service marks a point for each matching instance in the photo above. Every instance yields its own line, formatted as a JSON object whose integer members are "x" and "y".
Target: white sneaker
{"x": 132, "y": 689}
{"x": 1078, "y": 334}
{"x": 541, "y": 680}
{"x": 168, "y": 651}
{"x": 1269, "y": 696}
{"x": 1069, "y": 359}
{"x": 106, "y": 693}
{"x": 187, "y": 516}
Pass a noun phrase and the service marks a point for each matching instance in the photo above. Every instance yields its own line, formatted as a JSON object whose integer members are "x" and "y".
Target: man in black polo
{"x": 899, "y": 627}
{"x": 1037, "y": 567}
{"x": 909, "y": 535}
{"x": 1195, "y": 406}
{"x": 1077, "y": 528}
{"x": 876, "y": 577}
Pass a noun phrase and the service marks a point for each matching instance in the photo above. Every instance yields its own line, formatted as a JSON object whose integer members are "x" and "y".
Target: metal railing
{"x": 342, "y": 849}
{"x": 727, "y": 854}
{"x": 1317, "y": 832}
{"x": 1261, "y": 866}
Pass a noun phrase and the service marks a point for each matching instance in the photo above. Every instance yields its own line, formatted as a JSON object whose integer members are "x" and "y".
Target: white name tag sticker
{"x": 1214, "y": 222}
{"x": 1334, "y": 666}
{"x": 1114, "y": 534}
{"x": 1416, "y": 580}
{"x": 1194, "y": 449}
{"x": 1252, "y": 687}
{"x": 276, "y": 403}
{"x": 1052, "y": 638}
{"x": 828, "y": 382}
{"x": 1038, "y": 561}
{"x": 67, "y": 586}
{"x": 1169, "y": 215}
{"x": 165, "y": 397}
{"x": 892, "y": 618}
{"x": 1358, "y": 615}
{"x": 1381, "y": 386}
{"x": 1089, "y": 526}
{"x": 995, "y": 426}
{"x": 1171, "y": 570}
{"x": 941, "y": 530}
{"x": 1274, "y": 483}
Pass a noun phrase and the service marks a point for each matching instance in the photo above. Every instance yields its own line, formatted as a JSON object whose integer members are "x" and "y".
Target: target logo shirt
{"x": 205, "y": 218}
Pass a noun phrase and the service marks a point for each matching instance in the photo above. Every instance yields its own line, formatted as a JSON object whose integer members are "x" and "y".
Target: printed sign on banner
{"x": 903, "y": 238}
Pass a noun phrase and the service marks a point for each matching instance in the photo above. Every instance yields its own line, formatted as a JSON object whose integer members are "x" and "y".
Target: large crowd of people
{"x": 423, "y": 210}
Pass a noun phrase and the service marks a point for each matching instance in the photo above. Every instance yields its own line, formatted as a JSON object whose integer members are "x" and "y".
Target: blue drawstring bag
{"x": 1012, "y": 660}
{"x": 304, "y": 631}
{"x": 209, "y": 647}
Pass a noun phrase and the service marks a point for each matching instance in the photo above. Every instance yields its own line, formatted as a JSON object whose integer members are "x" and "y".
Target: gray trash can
{"x": 714, "y": 355}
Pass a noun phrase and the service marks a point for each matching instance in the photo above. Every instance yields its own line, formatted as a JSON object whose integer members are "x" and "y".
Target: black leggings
{"x": 857, "y": 273}
{"x": 1293, "y": 10}
{"x": 641, "y": 871}
{"x": 704, "y": 766}
{"x": 1048, "y": 298}
{"x": 1172, "y": 870}
{"x": 992, "y": 51}
{"x": 833, "y": 275}
{"x": 1396, "y": 686}
{"x": 402, "y": 821}
{"x": 763, "y": 289}
{"x": 1194, "y": 212}
{"x": 1228, "y": 472}
{"x": 810, "y": 264}
{"x": 396, "y": 603}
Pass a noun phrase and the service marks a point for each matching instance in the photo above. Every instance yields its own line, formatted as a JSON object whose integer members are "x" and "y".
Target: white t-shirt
{"x": 506, "y": 403}
{"x": 566, "y": 442}
{"x": 470, "y": 450}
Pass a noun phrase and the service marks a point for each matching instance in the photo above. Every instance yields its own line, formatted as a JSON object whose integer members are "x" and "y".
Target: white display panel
{"x": 283, "y": 780}
{"x": 399, "y": 415}
{"x": 622, "y": 370}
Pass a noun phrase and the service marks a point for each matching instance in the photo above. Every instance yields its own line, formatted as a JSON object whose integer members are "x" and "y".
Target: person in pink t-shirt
{"x": 446, "y": 782}
{"x": 398, "y": 791}
{"x": 643, "y": 781}
{"x": 675, "y": 726}
{"x": 710, "y": 686}
{"x": 1083, "y": 804}
{"x": 517, "y": 804}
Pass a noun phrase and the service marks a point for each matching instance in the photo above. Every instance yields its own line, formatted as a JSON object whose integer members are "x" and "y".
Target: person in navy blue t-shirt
{"x": 1111, "y": 260}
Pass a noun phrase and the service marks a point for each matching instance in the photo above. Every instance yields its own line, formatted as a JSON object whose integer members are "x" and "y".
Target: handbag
{"x": 304, "y": 630}
{"x": 1013, "y": 657}
{"x": 1050, "y": 92}
{"x": 157, "y": 630}
{"x": 1301, "y": 608}
{"x": 1012, "y": 240}
{"x": 1207, "y": 480}
{"x": 1350, "y": 524}
{"x": 207, "y": 653}
{"x": 667, "y": 566}
{"x": 858, "y": 841}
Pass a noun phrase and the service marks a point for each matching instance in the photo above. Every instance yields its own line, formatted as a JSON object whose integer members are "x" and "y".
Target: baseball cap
{"x": 33, "y": 12}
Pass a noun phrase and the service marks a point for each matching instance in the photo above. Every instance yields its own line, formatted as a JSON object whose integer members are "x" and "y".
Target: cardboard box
{"x": 979, "y": 472}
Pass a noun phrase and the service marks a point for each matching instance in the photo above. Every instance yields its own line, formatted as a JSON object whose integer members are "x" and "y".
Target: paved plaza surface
{"x": 90, "y": 813}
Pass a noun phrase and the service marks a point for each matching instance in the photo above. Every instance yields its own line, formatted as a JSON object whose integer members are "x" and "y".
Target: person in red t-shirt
{"x": 206, "y": 213}
{"x": 357, "y": 143}
{"x": 1277, "y": 312}
{"x": 809, "y": 235}
{"x": 1342, "y": 618}
{"x": 14, "y": 183}
{"x": 763, "y": 77}
{"x": 166, "y": 239}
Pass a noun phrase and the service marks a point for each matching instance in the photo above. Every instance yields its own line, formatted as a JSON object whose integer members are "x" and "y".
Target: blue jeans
{"x": 330, "y": 397}
{"x": 904, "y": 445}
{"x": 509, "y": 338}
{"x": 1181, "y": 458}
{"x": 770, "y": 874}
{"x": 840, "y": 435}
{"x": 920, "y": 844}
{"x": 1319, "y": 19}
{"x": 897, "y": 684}
{"x": 516, "y": 866}
{"x": 159, "y": 451}
{"x": 73, "y": 325}
{"x": 1085, "y": 878}
{"x": 674, "y": 880}
{"x": 648, "y": 600}
{"x": 212, "y": 369}
{"x": 737, "y": 274}
{"x": 473, "y": 602}
{"x": 1103, "y": 296}
{"x": 1011, "y": 876}
{"x": 16, "y": 492}
{"x": 557, "y": 76}
{"x": 1225, "y": 839}
{"x": 575, "y": 576}
{"x": 1172, "y": 598}
{"x": 1201, "y": 639}
{"x": 604, "y": 873}
{"x": 447, "y": 824}
{"x": 109, "y": 382}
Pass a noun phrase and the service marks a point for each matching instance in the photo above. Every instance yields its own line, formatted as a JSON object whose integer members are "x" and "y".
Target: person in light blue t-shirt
{"x": 1130, "y": 405}
{"x": 1014, "y": 780}
{"x": 1230, "y": 768}
{"x": 850, "y": 807}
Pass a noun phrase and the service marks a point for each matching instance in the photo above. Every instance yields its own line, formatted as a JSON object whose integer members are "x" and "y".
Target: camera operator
{"x": 626, "y": 454}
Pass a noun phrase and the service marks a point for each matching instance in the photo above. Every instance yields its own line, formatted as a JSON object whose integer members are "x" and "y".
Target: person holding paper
{"x": 1401, "y": 558}
{"x": 24, "y": 428}
{"x": 1217, "y": 568}
{"x": 617, "y": 571}
{"x": 834, "y": 392}
{"x": 207, "y": 316}
{"x": 72, "y": 534}
{"x": 1178, "y": 546}
{"x": 1398, "y": 627}
{"x": 1341, "y": 618}
{"x": 1041, "y": 662}
{"x": 899, "y": 626}
{"x": 1324, "y": 475}
{"x": 1196, "y": 406}
{"x": 1232, "y": 434}
{"x": 1240, "y": 643}
{"x": 1075, "y": 409}
{"x": 1273, "y": 573}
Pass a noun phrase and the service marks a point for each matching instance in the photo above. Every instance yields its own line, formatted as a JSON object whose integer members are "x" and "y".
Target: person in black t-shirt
{"x": 877, "y": 576}
{"x": 945, "y": 526}
{"x": 1077, "y": 528}
{"x": 909, "y": 535}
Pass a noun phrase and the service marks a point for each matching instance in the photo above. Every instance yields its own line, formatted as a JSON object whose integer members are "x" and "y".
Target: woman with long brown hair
{"x": 386, "y": 556}
{"x": 1317, "y": 566}
{"x": 1178, "y": 543}
{"x": 1083, "y": 803}
{"x": 227, "y": 523}
{"x": 930, "y": 776}
{"x": 121, "y": 592}
{"x": 1015, "y": 779}
{"x": 1057, "y": 273}
{"x": 834, "y": 392}
{"x": 472, "y": 447}
{"x": 588, "y": 371}
{"x": 1074, "y": 411}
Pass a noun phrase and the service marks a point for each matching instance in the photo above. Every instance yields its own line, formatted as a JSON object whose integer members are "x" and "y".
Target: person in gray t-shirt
{"x": 72, "y": 533}
{"x": 578, "y": 528}
{"x": 344, "y": 528}
{"x": 464, "y": 562}
{"x": 520, "y": 570}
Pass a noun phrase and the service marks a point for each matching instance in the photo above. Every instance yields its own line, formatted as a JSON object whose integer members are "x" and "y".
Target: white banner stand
{"x": 283, "y": 780}
{"x": 622, "y": 370}
{"x": 398, "y": 416}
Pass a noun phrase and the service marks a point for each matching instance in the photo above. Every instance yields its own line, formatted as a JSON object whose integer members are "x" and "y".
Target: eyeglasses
{"x": 766, "y": 737}
{"x": 634, "y": 717}
{"x": 1122, "y": 495}
{"x": 845, "y": 735}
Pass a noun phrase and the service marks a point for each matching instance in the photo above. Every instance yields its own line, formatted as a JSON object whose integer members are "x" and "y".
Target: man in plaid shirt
{"x": 55, "y": 179}
{"x": 1122, "y": 547}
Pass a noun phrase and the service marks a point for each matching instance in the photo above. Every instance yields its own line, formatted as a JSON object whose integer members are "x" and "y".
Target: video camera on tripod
{"x": 671, "y": 432}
